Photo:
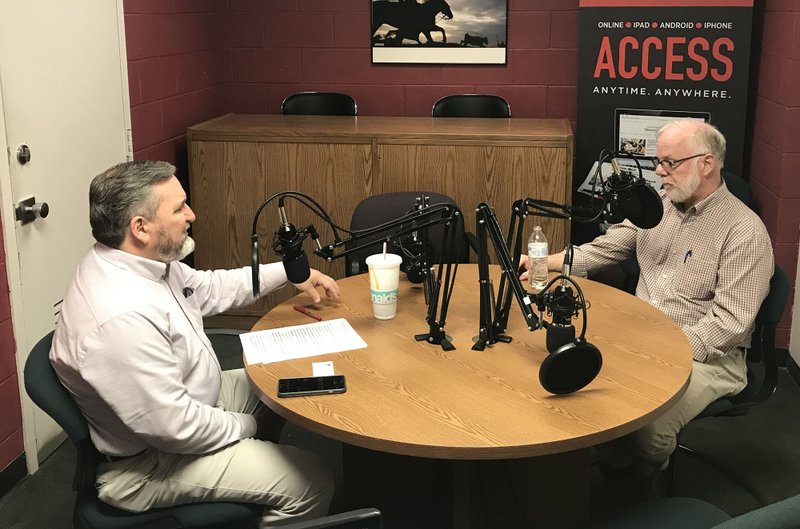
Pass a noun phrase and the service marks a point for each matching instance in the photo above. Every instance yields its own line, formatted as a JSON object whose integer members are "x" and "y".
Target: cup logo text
{"x": 385, "y": 297}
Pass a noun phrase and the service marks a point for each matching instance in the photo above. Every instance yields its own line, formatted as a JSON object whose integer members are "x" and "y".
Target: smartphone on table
{"x": 304, "y": 386}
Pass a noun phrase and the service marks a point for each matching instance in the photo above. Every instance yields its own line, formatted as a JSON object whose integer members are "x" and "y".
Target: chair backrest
{"x": 319, "y": 103}
{"x": 471, "y": 106}
{"x": 762, "y": 347}
{"x": 377, "y": 209}
{"x": 739, "y": 187}
{"x": 47, "y": 392}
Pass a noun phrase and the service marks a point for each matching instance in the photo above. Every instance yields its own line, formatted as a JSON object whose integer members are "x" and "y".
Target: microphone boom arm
{"x": 438, "y": 287}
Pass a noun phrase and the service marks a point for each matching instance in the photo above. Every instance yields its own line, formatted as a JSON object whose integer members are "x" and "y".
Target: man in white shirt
{"x": 130, "y": 348}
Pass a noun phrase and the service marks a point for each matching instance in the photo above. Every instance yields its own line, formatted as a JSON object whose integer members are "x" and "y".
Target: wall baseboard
{"x": 794, "y": 369}
{"x": 12, "y": 474}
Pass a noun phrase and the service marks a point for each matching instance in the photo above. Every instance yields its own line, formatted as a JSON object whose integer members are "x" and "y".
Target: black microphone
{"x": 563, "y": 305}
{"x": 571, "y": 363}
{"x": 631, "y": 197}
{"x": 288, "y": 243}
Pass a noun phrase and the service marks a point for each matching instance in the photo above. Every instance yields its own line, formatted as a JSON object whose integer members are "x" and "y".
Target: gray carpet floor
{"x": 761, "y": 448}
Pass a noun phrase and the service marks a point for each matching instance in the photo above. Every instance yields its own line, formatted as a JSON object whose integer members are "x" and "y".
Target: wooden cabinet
{"x": 237, "y": 161}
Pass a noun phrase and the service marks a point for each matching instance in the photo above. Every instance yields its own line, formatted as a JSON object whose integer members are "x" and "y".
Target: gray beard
{"x": 174, "y": 252}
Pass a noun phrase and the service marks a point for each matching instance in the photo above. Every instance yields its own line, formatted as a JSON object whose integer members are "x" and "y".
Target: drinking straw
{"x": 384, "y": 250}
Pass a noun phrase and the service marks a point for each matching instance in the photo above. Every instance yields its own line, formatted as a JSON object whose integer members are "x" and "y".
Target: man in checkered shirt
{"x": 707, "y": 265}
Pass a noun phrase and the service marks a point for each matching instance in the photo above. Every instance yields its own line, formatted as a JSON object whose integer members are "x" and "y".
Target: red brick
{"x": 404, "y": 75}
{"x": 483, "y": 75}
{"x": 525, "y": 101}
{"x": 11, "y": 415}
{"x": 350, "y": 30}
{"x": 542, "y": 5}
{"x": 146, "y": 125}
{"x": 191, "y": 32}
{"x": 5, "y": 300}
{"x": 261, "y": 5}
{"x": 788, "y": 221}
{"x": 547, "y": 67}
{"x": 200, "y": 70}
{"x": 765, "y": 166}
{"x": 157, "y": 78}
{"x": 165, "y": 151}
{"x": 243, "y": 30}
{"x": 564, "y": 29}
{"x": 179, "y": 113}
{"x": 790, "y": 176}
{"x": 773, "y": 78}
{"x": 529, "y": 30}
{"x": 377, "y": 100}
{"x": 299, "y": 30}
{"x": 246, "y": 98}
{"x": 327, "y": 5}
{"x": 562, "y": 102}
{"x": 793, "y": 95}
{"x": 209, "y": 103}
{"x": 11, "y": 447}
{"x": 335, "y": 66}
{"x": 147, "y": 6}
{"x": 770, "y": 123}
{"x": 141, "y": 36}
{"x": 266, "y": 66}
{"x": 778, "y": 34}
{"x": 134, "y": 90}
{"x": 8, "y": 351}
{"x": 200, "y": 6}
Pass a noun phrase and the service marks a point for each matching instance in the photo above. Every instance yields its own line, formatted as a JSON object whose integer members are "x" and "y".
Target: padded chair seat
{"x": 96, "y": 514}
{"x": 666, "y": 513}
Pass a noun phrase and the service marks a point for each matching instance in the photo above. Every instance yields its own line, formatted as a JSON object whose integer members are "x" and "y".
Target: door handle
{"x": 29, "y": 210}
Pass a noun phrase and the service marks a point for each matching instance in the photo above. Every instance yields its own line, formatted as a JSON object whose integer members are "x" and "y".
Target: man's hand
{"x": 555, "y": 262}
{"x": 318, "y": 279}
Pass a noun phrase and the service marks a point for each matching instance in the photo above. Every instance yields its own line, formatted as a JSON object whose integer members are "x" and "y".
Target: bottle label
{"x": 537, "y": 249}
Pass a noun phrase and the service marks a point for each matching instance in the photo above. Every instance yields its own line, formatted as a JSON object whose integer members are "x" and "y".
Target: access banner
{"x": 645, "y": 62}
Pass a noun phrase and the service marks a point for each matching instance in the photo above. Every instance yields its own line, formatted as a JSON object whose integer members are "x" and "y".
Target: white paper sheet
{"x": 300, "y": 341}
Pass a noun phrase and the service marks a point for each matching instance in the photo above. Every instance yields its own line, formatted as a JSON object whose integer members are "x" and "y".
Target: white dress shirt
{"x": 130, "y": 348}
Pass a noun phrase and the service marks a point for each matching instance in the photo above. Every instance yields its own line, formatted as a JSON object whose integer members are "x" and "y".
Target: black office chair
{"x": 358, "y": 519}
{"x": 319, "y": 103}
{"x": 691, "y": 513}
{"x": 378, "y": 209}
{"x": 762, "y": 374}
{"x": 89, "y": 512}
{"x": 471, "y": 106}
{"x": 737, "y": 185}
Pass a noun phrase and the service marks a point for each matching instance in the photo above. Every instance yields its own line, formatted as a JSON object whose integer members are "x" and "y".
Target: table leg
{"x": 546, "y": 492}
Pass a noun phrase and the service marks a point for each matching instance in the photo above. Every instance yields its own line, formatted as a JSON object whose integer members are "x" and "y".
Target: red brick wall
{"x": 10, "y": 412}
{"x": 275, "y": 48}
{"x": 775, "y": 162}
{"x": 175, "y": 72}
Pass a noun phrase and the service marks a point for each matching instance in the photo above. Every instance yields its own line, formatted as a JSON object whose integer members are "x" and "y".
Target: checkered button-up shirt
{"x": 707, "y": 267}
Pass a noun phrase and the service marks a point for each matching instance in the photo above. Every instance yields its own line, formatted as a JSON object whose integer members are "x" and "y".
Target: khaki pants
{"x": 655, "y": 442}
{"x": 291, "y": 483}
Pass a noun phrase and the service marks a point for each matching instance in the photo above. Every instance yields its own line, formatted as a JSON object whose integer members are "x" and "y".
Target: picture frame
{"x": 439, "y": 31}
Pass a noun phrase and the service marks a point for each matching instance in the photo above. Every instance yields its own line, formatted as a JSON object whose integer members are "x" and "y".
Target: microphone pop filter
{"x": 643, "y": 207}
{"x": 570, "y": 368}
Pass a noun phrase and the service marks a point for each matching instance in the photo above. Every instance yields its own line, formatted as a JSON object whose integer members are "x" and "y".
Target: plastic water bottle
{"x": 537, "y": 259}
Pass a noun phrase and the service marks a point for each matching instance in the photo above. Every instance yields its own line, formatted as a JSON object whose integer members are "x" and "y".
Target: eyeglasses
{"x": 671, "y": 165}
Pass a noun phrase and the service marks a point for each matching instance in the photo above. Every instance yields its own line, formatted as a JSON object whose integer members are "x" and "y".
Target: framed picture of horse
{"x": 439, "y": 31}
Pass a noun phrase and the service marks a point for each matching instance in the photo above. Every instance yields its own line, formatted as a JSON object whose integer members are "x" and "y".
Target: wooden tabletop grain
{"x": 413, "y": 398}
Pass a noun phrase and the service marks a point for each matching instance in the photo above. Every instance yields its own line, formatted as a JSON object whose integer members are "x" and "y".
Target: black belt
{"x": 113, "y": 459}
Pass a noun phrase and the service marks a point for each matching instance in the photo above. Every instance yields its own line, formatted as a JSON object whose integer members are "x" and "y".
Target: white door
{"x": 63, "y": 94}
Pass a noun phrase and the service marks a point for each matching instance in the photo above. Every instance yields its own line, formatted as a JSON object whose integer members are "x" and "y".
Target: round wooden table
{"x": 412, "y": 398}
